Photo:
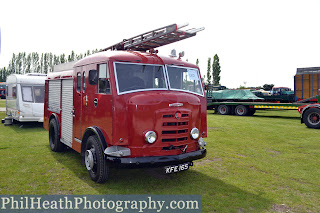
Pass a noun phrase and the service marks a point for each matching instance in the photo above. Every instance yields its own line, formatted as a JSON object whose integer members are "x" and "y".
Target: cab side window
{"x": 104, "y": 79}
{"x": 78, "y": 82}
{"x": 84, "y": 81}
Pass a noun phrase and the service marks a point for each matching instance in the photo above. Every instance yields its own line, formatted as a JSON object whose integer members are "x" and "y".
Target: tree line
{"x": 213, "y": 71}
{"x": 23, "y": 63}
{"x": 34, "y": 62}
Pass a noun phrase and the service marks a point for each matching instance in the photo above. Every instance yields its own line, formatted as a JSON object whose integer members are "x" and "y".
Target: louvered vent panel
{"x": 54, "y": 96}
{"x": 66, "y": 113}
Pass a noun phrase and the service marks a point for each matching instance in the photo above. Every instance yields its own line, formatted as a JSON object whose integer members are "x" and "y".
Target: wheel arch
{"x": 307, "y": 108}
{"x": 55, "y": 116}
{"x": 93, "y": 130}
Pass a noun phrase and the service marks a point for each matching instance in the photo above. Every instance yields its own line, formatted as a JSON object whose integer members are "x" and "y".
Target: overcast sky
{"x": 257, "y": 41}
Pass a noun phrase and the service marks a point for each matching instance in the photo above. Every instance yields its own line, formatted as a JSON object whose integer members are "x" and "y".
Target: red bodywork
{"x": 2, "y": 90}
{"x": 307, "y": 106}
{"x": 2, "y": 93}
{"x": 124, "y": 119}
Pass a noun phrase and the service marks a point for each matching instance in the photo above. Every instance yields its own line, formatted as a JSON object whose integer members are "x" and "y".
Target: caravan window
{"x": 27, "y": 93}
{"x": 7, "y": 90}
{"x": 38, "y": 94}
{"x": 14, "y": 92}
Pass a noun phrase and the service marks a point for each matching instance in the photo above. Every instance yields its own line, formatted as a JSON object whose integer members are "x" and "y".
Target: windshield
{"x": 186, "y": 79}
{"x": 135, "y": 77}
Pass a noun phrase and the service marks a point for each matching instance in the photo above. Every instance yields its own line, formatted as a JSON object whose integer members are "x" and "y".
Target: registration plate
{"x": 176, "y": 168}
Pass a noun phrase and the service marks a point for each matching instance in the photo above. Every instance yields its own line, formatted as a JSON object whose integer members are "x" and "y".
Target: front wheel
{"x": 95, "y": 162}
{"x": 312, "y": 118}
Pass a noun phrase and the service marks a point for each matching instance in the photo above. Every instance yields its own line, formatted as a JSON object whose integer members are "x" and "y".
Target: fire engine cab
{"x": 127, "y": 106}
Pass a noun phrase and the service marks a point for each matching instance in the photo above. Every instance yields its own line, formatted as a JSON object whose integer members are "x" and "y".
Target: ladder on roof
{"x": 155, "y": 38}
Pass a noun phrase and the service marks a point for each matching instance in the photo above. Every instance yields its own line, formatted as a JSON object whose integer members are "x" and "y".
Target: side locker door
{"x": 67, "y": 112}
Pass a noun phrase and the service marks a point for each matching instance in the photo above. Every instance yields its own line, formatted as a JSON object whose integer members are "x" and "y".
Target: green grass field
{"x": 265, "y": 163}
{"x": 2, "y": 103}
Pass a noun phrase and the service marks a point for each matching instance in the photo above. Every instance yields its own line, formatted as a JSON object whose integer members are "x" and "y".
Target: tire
{"x": 241, "y": 110}
{"x": 224, "y": 110}
{"x": 54, "y": 137}
{"x": 95, "y": 162}
{"x": 311, "y": 118}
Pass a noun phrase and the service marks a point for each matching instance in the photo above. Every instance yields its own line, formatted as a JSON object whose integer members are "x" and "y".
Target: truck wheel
{"x": 241, "y": 110}
{"x": 224, "y": 110}
{"x": 312, "y": 118}
{"x": 54, "y": 137}
{"x": 95, "y": 162}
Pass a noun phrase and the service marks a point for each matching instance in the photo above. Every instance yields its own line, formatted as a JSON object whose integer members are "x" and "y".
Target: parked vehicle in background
{"x": 276, "y": 95}
{"x": 25, "y": 98}
{"x": 245, "y": 103}
{"x": 280, "y": 90}
{"x": 2, "y": 90}
{"x": 129, "y": 107}
{"x": 307, "y": 83}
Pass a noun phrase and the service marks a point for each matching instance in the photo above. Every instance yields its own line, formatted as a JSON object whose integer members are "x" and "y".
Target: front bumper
{"x": 156, "y": 161}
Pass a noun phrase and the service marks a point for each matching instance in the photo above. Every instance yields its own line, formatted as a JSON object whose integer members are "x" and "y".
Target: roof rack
{"x": 155, "y": 38}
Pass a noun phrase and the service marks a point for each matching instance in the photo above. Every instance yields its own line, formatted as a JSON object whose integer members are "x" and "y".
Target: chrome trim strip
{"x": 77, "y": 140}
{"x": 176, "y": 105}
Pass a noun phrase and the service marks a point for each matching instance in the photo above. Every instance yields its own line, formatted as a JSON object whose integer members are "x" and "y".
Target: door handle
{"x": 95, "y": 102}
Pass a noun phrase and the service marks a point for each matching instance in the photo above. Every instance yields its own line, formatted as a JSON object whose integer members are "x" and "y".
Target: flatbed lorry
{"x": 310, "y": 112}
{"x": 249, "y": 108}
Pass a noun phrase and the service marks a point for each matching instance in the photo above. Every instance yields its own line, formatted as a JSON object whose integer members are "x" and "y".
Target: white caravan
{"x": 25, "y": 97}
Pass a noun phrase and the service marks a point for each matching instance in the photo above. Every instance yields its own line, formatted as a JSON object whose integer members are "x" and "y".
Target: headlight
{"x": 194, "y": 133}
{"x": 150, "y": 137}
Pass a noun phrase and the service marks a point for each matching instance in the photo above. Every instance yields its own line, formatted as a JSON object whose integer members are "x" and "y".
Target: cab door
{"x": 98, "y": 108}
{"x": 77, "y": 108}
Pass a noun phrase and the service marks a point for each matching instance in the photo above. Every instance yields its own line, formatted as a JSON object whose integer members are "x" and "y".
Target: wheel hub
{"x": 314, "y": 118}
{"x": 89, "y": 159}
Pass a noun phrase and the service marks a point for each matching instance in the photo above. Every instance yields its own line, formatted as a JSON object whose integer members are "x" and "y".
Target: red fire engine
{"x": 129, "y": 106}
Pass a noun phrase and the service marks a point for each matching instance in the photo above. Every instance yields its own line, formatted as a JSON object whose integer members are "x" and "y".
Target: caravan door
{"x": 25, "y": 102}
{"x": 31, "y": 102}
{"x": 38, "y": 95}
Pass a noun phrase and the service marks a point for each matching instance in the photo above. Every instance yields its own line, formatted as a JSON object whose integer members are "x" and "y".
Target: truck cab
{"x": 128, "y": 109}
